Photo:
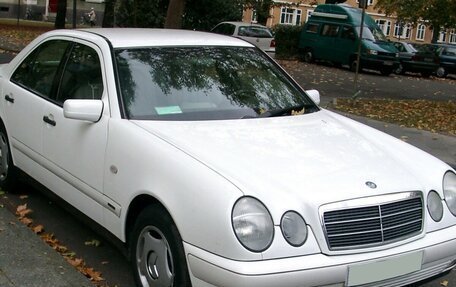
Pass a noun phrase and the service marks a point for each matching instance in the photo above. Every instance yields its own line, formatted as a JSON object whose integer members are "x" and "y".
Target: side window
{"x": 348, "y": 33}
{"x": 225, "y": 29}
{"x": 330, "y": 30}
{"x": 37, "y": 72}
{"x": 312, "y": 28}
{"x": 399, "y": 47}
{"x": 449, "y": 52}
{"x": 81, "y": 77}
{"x": 219, "y": 29}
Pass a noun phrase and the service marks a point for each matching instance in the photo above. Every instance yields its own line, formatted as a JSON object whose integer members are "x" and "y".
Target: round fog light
{"x": 435, "y": 206}
{"x": 294, "y": 228}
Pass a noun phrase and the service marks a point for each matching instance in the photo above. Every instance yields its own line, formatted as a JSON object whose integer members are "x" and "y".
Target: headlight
{"x": 449, "y": 190}
{"x": 252, "y": 224}
{"x": 435, "y": 206}
{"x": 294, "y": 228}
{"x": 372, "y": 52}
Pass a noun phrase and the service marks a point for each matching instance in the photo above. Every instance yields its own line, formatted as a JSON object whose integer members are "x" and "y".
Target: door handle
{"x": 50, "y": 121}
{"x": 9, "y": 99}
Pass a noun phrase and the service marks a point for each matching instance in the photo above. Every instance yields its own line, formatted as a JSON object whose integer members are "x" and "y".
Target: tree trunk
{"x": 61, "y": 14}
{"x": 435, "y": 34}
{"x": 175, "y": 14}
{"x": 108, "y": 17}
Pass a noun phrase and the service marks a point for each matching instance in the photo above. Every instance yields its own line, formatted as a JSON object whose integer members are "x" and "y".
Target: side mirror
{"x": 83, "y": 110}
{"x": 314, "y": 95}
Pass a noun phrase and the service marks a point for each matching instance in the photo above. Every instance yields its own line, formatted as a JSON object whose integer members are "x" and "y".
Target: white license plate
{"x": 388, "y": 63}
{"x": 379, "y": 270}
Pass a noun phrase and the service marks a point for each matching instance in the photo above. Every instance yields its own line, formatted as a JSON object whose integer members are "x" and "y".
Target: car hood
{"x": 381, "y": 46}
{"x": 322, "y": 156}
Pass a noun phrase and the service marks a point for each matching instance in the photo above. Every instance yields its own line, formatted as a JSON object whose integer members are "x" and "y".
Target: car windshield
{"x": 372, "y": 34}
{"x": 410, "y": 48}
{"x": 204, "y": 83}
{"x": 255, "y": 31}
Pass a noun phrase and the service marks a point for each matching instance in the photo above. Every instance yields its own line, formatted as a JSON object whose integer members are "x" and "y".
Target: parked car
{"x": 447, "y": 55}
{"x": 333, "y": 32}
{"x": 215, "y": 168}
{"x": 256, "y": 34}
{"x": 413, "y": 60}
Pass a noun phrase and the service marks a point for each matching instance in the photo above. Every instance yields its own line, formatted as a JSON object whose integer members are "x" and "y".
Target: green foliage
{"x": 203, "y": 15}
{"x": 144, "y": 13}
{"x": 440, "y": 13}
{"x": 199, "y": 14}
{"x": 262, "y": 8}
{"x": 287, "y": 41}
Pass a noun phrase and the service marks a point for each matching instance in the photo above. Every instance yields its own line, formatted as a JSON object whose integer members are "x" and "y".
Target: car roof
{"x": 145, "y": 37}
{"x": 243, "y": 24}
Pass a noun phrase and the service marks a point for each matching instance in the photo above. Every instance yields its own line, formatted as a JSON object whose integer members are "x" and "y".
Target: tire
{"x": 8, "y": 172}
{"x": 156, "y": 250}
{"x": 386, "y": 71}
{"x": 399, "y": 70}
{"x": 441, "y": 72}
{"x": 308, "y": 56}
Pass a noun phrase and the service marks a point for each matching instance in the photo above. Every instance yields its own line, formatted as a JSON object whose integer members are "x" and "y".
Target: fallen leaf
{"x": 444, "y": 283}
{"x": 93, "y": 242}
{"x": 38, "y": 229}
{"x": 22, "y": 210}
{"x": 69, "y": 254}
{"x": 25, "y": 220}
{"x": 93, "y": 275}
{"x": 75, "y": 262}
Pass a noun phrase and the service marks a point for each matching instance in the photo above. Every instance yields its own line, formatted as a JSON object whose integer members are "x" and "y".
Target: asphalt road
{"x": 73, "y": 230}
{"x": 338, "y": 83}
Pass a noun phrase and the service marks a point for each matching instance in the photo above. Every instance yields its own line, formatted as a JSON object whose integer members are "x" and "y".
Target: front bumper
{"x": 437, "y": 254}
{"x": 379, "y": 63}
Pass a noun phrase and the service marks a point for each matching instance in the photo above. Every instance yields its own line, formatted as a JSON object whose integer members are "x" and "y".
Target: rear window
{"x": 254, "y": 31}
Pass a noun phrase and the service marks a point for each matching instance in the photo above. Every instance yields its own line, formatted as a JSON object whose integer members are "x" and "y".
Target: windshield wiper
{"x": 288, "y": 110}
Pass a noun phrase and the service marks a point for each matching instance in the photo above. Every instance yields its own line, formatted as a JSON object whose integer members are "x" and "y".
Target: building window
{"x": 290, "y": 16}
{"x": 442, "y": 37}
{"x": 309, "y": 13}
{"x": 402, "y": 30}
{"x": 254, "y": 16}
{"x": 384, "y": 25}
{"x": 452, "y": 39}
{"x": 420, "y": 32}
{"x": 369, "y": 2}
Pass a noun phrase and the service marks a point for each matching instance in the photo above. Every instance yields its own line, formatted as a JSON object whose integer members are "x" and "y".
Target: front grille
{"x": 373, "y": 225}
{"x": 386, "y": 54}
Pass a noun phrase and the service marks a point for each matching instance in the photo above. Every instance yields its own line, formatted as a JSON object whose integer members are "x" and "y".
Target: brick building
{"x": 297, "y": 12}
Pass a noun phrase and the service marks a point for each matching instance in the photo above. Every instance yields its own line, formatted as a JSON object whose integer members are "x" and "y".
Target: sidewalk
{"x": 26, "y": 261}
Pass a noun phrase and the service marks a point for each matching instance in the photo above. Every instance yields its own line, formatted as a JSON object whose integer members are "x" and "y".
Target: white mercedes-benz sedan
{"x": 215, "y": 168}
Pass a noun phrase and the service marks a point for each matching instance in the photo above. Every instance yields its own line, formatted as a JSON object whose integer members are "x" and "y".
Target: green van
{"x": 332, "y": 34}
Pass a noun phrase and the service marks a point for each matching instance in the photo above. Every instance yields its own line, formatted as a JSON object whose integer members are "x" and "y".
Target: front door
{"x": 75, "y": 149}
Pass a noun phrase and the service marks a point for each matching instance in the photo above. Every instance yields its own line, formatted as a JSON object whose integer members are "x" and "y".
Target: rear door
{"x": 30, "y": 86}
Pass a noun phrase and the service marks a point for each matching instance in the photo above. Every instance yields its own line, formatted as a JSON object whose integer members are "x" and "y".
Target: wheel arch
{"x": 137, "y": 205}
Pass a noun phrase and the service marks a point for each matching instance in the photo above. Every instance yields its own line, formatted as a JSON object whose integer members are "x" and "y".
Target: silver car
{"x": 256, "y": 34}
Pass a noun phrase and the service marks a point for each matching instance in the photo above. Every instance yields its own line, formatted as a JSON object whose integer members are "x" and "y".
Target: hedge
{"x": 287, "y": 40}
